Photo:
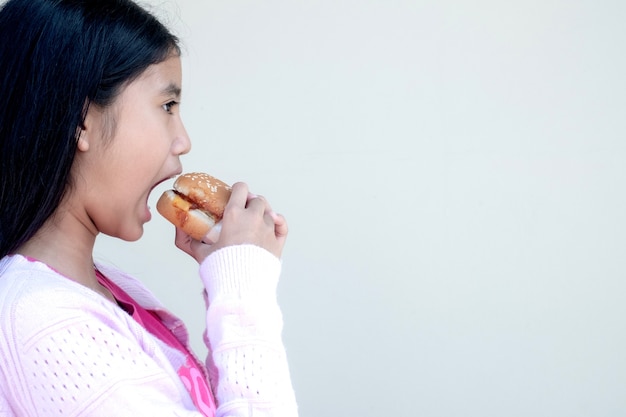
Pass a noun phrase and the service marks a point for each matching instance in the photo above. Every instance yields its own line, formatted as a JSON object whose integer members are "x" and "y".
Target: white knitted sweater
{"x": 67, "y": 351}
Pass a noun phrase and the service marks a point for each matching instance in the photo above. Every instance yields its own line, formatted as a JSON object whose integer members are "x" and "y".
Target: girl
{"x": 89, "y": 126}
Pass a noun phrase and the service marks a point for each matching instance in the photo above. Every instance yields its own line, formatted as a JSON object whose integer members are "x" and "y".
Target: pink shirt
{"x": 191, "y": 373}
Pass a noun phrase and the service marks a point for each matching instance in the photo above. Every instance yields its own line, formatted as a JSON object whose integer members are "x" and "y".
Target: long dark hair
{"x": 57, "y": 57}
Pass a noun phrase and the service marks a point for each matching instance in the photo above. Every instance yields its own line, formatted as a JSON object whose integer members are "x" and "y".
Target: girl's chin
{"x": 132, "y": 236}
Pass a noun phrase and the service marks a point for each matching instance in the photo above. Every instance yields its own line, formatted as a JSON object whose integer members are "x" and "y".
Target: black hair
{"x": 58, "y": 57}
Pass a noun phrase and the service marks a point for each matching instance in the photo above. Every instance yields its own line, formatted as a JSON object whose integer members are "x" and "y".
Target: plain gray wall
{"x": 453, "y": 173}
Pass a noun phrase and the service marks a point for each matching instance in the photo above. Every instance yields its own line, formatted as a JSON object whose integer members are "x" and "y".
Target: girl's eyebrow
{"x": 172, "y": 90}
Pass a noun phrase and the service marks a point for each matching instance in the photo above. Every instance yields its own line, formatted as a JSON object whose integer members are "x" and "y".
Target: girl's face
{"x": 128, "y": 149}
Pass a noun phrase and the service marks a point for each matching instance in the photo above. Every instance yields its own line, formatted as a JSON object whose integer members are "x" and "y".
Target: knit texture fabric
{"x": 67, "y": 351}
{"x": 248, "y": 365}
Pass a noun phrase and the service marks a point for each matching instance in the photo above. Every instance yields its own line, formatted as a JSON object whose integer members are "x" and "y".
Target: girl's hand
{"x": 248, "y": 219}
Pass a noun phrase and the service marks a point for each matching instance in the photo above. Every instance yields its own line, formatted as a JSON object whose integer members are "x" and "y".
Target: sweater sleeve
{"x": 247, "y": 362}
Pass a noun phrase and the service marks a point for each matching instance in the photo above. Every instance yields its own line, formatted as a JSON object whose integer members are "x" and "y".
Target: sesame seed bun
{"x": 195, "y": 204}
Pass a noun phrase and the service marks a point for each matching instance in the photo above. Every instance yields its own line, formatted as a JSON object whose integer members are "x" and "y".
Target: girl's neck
{"x": 66, "y": 246}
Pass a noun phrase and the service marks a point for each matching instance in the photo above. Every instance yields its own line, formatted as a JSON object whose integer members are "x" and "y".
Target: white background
{"x": 453, "y": 173}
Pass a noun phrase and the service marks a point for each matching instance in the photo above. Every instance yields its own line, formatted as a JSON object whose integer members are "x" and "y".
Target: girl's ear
{"x": 83, "y": 142}
{"x": 86, "y": 129}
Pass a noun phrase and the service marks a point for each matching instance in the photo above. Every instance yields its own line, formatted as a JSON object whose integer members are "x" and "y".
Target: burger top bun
{"x": 196, "y": 205}
{"x": 209, "y": 193}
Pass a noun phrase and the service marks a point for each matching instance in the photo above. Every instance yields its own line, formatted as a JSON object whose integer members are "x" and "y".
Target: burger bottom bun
{"x": 178, "y": 211}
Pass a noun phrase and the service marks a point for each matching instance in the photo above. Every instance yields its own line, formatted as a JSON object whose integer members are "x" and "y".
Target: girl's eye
{"x": 168, "y": 106}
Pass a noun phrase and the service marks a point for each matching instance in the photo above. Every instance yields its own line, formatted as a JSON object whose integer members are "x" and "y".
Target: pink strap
{"x": 191, "y": 374}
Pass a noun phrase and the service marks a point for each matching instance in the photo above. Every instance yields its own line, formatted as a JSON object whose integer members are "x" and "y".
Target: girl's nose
{"x": 182, "y": 143}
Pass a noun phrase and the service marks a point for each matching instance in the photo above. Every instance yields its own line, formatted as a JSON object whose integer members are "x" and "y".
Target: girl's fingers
{"x": 248, "y": 218}
{"x": 197, "y": 250}
{"x": 280, "y": 225}
{"x": 258, "y": 203}
{"x": 239, "y": 195}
